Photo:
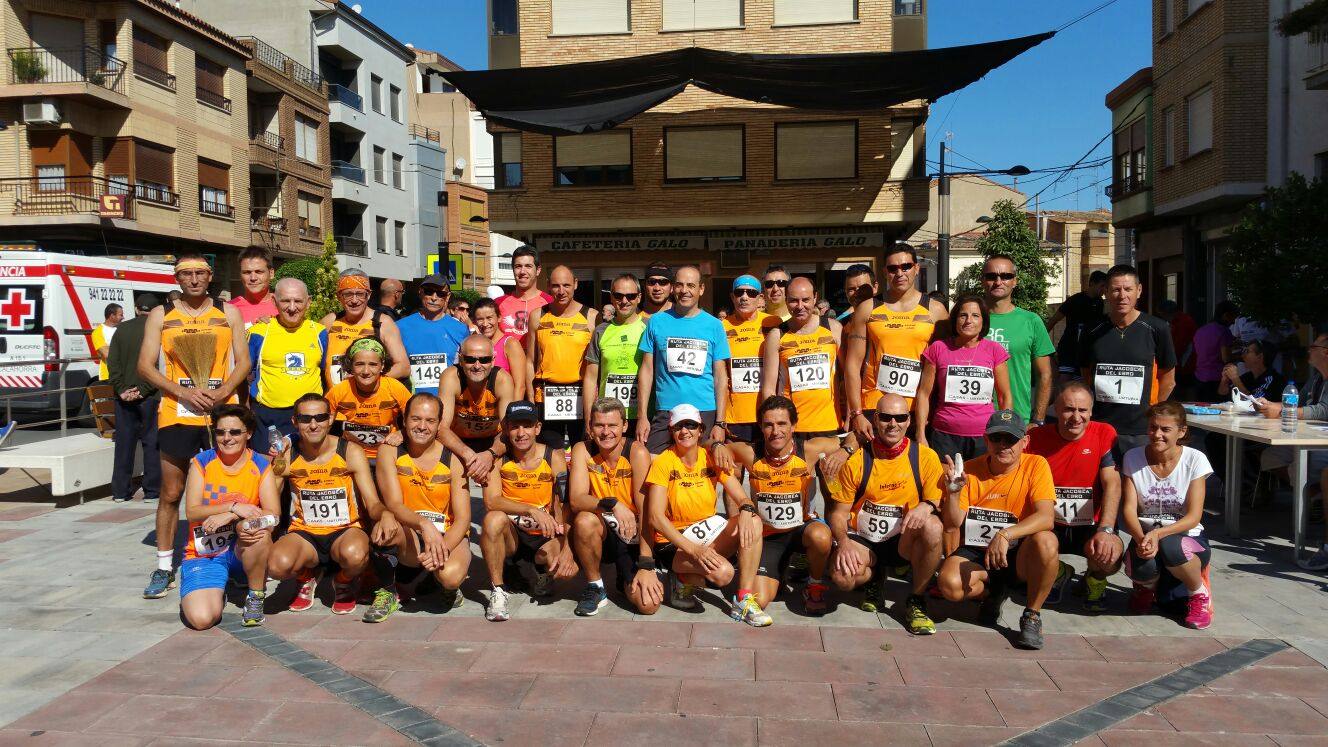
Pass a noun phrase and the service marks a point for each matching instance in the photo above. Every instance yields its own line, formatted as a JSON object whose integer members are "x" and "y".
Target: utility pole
{"x": 943, "y": 237}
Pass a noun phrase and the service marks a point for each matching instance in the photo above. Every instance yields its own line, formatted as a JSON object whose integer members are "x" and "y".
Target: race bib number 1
{"x": 1074, "y": 507}
{"x": 969, "y": 384}
{"x": 426, "y": 371}
{"x": 1119, "y": 385}
{"x": 878, "y": 523}
{"x": 898, "y": 376}
{"x": 745, "y": 375}
{"x": 562, "y": 402}
{"x": 780, "y": 510}
{"x": 706, "y": 531}
{"x": 685, "y": 355}
{"x": 982, "y": 524}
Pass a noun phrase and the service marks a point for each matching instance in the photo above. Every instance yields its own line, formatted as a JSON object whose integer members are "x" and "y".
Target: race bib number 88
{"x": 562, "y": 402}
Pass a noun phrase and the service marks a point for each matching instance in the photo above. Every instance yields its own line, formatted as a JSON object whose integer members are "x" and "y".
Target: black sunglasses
{"x": 994, "y": 276}
{"x": 485, "y": 359}
{"x": 229, "y": 431}
{"x": 690, "y": 425}
{"x": 748, "y": 292}
{"x": 462, "y": 308}
{"x": 776, "y": 283}
{"x": 905, "y": 267}
{"x": 658, "y": 281}
{"x": 886, "y": 416}
{"x": 321, "y": 417}
{"x": 430, "y": 290}
{"x": 624, "y": 296}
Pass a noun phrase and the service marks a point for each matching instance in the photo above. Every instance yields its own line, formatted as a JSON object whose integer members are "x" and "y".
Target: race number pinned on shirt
{"x": 611, "y": 519}
{"x": 525, "y": 523}
{"x": 1150, "y": 522}
{"x": 745, "y": 375}
{"x": 972, "y": 385}
{"x": 439, "y": 520}
{"x": 1074, "y": 507}
{"x": 217, "y": 542}
{"x": 807, "y": 372}
{"x": 562, "y": 401}
{"x": 325, "y": 508}
{"x": 1119, "y": 384}
{"x": 338, "y": 373}
{"x": 686, "y": 355}
{"x": 621, "y": 387}
{"x": 426, "y": 370}
{"x": 181, "y": 409}
{"x": 982, "y": 524}
{"x": 706, "y": 531}
{"x": 368, "y": 435}
{"x": 780, "y": 510}
{"x": 878, "y": 522}
{"x": 899, "y": 376}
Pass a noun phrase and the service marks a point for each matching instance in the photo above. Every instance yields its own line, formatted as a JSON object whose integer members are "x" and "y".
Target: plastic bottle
{"x": 1290, "y": 401}
{"x": 273, "y": 438}
{"x": 266, "y": 521}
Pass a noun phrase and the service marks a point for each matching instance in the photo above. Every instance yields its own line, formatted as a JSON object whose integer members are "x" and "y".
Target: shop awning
{"x": 591, "y": 96}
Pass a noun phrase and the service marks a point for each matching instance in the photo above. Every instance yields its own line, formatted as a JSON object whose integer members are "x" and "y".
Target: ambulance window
{"x": 20, "y": 308}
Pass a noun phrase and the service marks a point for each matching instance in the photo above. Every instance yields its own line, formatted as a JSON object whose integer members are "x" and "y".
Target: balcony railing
{"x": 273, "y": 58}
{"x": 1127, "y": 186}
{"x": 70, "y": 65}
{"x": 267, "y": 139}
{"x": 209, "y": 207}
{"x": 349, "y": 171}
{"x": 212, "y": 98}
{"x": 343, "y": 95}
{"x": 1317, "y": 40}
{"x": 153, "y": 73}
{"x": 352, "y": 246}
{"x": 908, "y": 7}
{"x": 160, "y": 194}
{"x": 57, "y": 195}
{"x": 425, "y": 133}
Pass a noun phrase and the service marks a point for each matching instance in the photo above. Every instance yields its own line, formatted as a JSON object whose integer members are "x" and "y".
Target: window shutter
{"x": 209, "y": 76}
{"x": 789, "y": 12}
{"x": 591, "y": 16}
{"x": 611, "y": 148}
{"x": 509, "y": 146}
{"x": 154, "y": 164}
{"x": 150, "y": 50}
{"x": 816, "y": 150}
{"x": 46, "y": 147}
{"x": 903, "y": 147}
{"x": 214, "y": 175}
{"x": 703, "y": 152}
{"x": 118, "y": 157}
{"x": 702, "y": 14}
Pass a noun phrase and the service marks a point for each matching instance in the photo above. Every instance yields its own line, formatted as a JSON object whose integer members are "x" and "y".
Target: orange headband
{"x": 192, "y": 264}
{"x": 352, "y": 282}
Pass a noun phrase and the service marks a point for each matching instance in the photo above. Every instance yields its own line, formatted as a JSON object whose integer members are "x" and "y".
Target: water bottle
{"x": 1290, "y": 401}
{"x": 266, "y": 521}
{"x": 273, "y": 439}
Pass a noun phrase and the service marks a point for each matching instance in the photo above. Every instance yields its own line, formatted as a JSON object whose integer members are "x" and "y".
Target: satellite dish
{"x": 459, "y": 164}
{"x": 356, "y": 7}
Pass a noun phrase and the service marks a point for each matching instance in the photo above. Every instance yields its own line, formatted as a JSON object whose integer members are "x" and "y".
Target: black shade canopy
{"x": 592, "y": 96}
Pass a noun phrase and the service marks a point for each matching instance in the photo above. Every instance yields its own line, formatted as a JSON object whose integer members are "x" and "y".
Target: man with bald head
{"x": 475, "y": 395}
{"x": 288, "y": 351}
{"x": 556, "y": 359}
{"x": 390, "y": 292}
{"x": 431, "y": 336}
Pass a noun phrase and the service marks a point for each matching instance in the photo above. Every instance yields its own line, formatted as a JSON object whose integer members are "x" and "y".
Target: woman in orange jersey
{"x": 357, "y": 319}
{"x": 424, "y": 485}
{"x": 221, "y": 494}
{"x": 367, "y": 404}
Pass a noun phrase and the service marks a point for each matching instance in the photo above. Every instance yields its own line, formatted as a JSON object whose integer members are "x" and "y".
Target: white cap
{"x": 494, "y": 292}
{"x": 684, "y": 412}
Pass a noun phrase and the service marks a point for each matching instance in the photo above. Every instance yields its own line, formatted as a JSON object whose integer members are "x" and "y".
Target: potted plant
{"x": 28, "y": 67}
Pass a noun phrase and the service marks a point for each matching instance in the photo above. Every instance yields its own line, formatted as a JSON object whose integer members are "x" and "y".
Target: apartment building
{"x": 126, "y": 130}
{"x": 730, "y": 184}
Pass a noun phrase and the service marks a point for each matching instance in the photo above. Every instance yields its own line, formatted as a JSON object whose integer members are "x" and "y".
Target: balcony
{"x": 273, "y": 59}
{"x": 1316, "y": 68}
{"x": 212, "y": 98}
{"x": 339, "y": 94}
{"x": 59, "y": 195}
{"x": 347, "y": 171}
{"x": 352, "y": 246}
{"x": 1129, "y": 185}
{"x": 220, "y": 209}
{"x": 148, "y": 71}
{"x": 87, "y": 68}
{"x": 421, "y": 132}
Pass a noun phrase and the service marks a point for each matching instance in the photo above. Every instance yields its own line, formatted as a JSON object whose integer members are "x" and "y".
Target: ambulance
{"x": 49, "y": 306}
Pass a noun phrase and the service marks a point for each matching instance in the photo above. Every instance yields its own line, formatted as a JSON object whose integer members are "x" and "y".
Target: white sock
{"x": 598, "y": 582}
{"x": 1203, "y": 589}
{"x": 164, "y": 559}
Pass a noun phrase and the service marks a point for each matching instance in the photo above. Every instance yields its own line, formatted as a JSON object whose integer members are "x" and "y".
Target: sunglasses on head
{"x": 624, "y": 296}
{"x": 321, "y": 417}
{"x": 228, "y": 431}
{"x": 887, "y": 416}
{"x": 993, "y": 276}
{"x": 485, "y": 359}
{"x": 896, "y": 269}
{"x": 658, "y": 281}
{"x": 776, "y": 283}
{"x": 748, "y": 292}
{"x": 690, "y": 425}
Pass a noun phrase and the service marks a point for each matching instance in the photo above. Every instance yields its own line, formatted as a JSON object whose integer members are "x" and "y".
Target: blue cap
{"x": 747, "y": 281}
{"x": 522, "y": 410}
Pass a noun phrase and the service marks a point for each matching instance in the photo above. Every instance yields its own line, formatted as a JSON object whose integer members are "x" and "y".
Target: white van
{"x": 49, "y": 306}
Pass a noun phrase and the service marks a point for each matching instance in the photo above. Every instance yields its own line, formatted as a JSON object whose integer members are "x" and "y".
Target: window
{"x": 1168, "y": 136}
{"x": 116, "y": 164}
{"x": 380, "y": 172}
{"x": 397, "y": 172}
{"x": 311, "y": 214}
{"x": 816, "y": 150}
{"x": 433, "y": 82}
{"x": 905, "y": 148}
{"x": 1193, "y": 6}
{"x": 471, "y": 209}
{"x": 380, "y": 234}
{"x": 214, "y": 183}
{"x": 1131, "y": 169}
{"x": 593, "y": 160}
{"x": 505, "y": 21}
{"x": 376, "y": 93}
{"x": 794, "y": 12}
{"x": 1168, "y": 16}
{"x": 106, "y": 33}
{"x": 306, "y": 139}
{"x": 154, "y": 173}
{"x": 683, "y": 15}
{"x": 1321, "y": 165}
{"x": 399, "y": 237}
{"x": 703, "y": 154}
{"x": 210, "y": 83}
{"x": 507, "y": 147}
{"x": 591, "y": 17}
{"x": 152, "y": 57}
{"x": 1199, "y": 121}
{"x": 51, "y": 178}
{"x": 908, "y": 7}
{"x": 394, "y": 102}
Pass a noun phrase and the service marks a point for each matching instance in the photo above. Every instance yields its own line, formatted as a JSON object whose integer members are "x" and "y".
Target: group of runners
{"x": 772, "y": 448}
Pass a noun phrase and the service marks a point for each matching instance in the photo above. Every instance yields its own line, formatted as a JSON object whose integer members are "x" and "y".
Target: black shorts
{"x": 1073, "y": 539}
{"x": 322, "y": 543}
{"x": 948, "y": 444}
{"x": 776, "y": 549}
{"x": 559, "y": 434}
{"x": 183, "y": 442}
{"x": 480, "y": 444}
{"x": 623, "y": 555}
{"x": 528, "y": 545}
{"x": 747, "y": 433}
{"x": 886, "y": 553}
{"x": 665, "y": 553}
{"x": 1009, "y": 574}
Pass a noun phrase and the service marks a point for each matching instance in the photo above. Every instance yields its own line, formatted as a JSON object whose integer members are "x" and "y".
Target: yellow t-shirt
{"x": 690, "y": 490}
{"x": 99, "y": 341}
{"x": 370, "y": 417}
{"x": 896, "y": 340}
{"x": 287, "y": 365}
{"x": 808, "y": 365}
{"x": 562, "y": 342}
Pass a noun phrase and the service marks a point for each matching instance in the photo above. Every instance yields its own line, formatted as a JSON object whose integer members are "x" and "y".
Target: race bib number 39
{"x": 982, "y": 524}
{"x": 807, "y": 372}
{"x": 878, "y": 523}
{"x": 621, "y": 387}
{"x": 898, "y": 376}
{"x": 213, "y": 544}
{"x": 745, "y": 375}
{"x": 780, "y": 510}
{"x": 562, "y": 402}
{"x": 706, "y": 531}
{"x": 325, "y": 508}
{"x": 969, "y": 384}
{"x": 685, "y": 355}
{"x": 1119, "y": 385}
{"x": 427, "y": 370}
{"x": 1074, "y": 507}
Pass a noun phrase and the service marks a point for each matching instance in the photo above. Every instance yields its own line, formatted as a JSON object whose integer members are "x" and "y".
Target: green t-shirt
{"x": 1024, "y": 337}
{"x": 613, "y": 347}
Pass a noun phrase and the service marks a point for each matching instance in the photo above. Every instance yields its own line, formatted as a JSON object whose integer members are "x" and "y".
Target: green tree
{"x": 1008, "y": 233}
{"x": 969, "y": 280}
{"x": 320, "y": 275}
{"x": 1275, "y": 265}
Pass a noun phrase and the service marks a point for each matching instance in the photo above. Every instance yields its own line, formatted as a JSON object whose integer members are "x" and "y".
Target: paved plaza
{"x": 84, "y": 659}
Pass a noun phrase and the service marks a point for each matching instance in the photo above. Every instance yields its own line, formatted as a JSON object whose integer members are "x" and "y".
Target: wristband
{"x": 645, "y": 564}
{"x": 749, "y": 508}
{"x": 1108, "y": 530}
{"x": 935, "y": 508}
{"x": 607, "y": 504}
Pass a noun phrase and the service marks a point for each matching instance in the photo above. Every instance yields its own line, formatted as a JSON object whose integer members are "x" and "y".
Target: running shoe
{"x": 682, "y": 596}
{"x": 873, "y": 596}
{"x": 384, "y": 603}
{"x": 253, "y": 609}
{"x": 343, "y": 597}
{"x": 1096, "y": 598}
{"x": 1141, "y": 600}
{"x": 748, "y": 610}
{"x": 1316, "y": 562}
{"x": 497, "y": 608}
{"x": 1200, "y": 614}
{"x": 450, "y": 599}
{"x": 915, "y": 616}
{"x": 901, "y": 571}
{"x": 1064, "y": 575}
{"x": 798, "y": 568}
{"x": 159, "y": 583}
{"x": 593, "y": 599}
{"x": 813, "y": 599}
{"x": 1030, "y": 631}
{"x": 7, "y": 429}
{"x": 304, "y": 598}
{"x": 989, "y": 612}
{"x": 543, "y": 585}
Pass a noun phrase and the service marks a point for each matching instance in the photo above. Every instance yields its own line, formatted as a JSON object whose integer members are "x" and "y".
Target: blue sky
{"x": 1043, "y": 109}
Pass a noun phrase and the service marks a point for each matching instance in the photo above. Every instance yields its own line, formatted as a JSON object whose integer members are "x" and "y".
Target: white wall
{"x": 1295, "y": 113}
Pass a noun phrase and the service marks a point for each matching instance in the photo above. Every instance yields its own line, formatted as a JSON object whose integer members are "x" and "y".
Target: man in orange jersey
{"x": 475, "y": 393}
{"x": 182, "y": 419}
{"x": 746, "y": 329}
{"x": 556, "y": 352}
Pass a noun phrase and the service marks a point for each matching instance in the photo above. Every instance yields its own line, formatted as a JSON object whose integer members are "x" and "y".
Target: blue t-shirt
{"x": 685, "y": 350}
{"x": 431, "y": 347}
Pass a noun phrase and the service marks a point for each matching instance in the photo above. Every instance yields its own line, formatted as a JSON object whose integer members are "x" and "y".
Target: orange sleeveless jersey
{"x": 339, "y": 337}
{"x": 222, "y": 484}
{"x": 175, "y": 326}
{"x": 897, "y": 338}
{"x": 428, "y": 494}
{"x": 562, "y": 343}
{"x": 808, "y": 364}
{"x": 530, "y": 486}
{"x": 780, "y": 493}
{"x": 611, "y": 481}
{"x": 323, "y": 497}
{"x": 476, "y": 417}
{"x": 372, "y": 417}
{"x": 745, "y": 364}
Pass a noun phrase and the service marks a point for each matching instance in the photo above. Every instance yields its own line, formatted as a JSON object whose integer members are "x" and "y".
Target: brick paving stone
{"x": 646, "y": 730}
{"x": 627, "y": 632}
{"x": 1126, "y": 738}
{"x": 459, "y": 689}
{"x": 1289, "y": 681}
{"x": 175, "y": 716}
{"x": 916, "y": 705}
{"x": 796, "y": 733}
{"x": 1289, "y": 658}
{"x": 770, "y": 699}
{"x": 947, "y": 735}
{"x": 900, "y": 643}
{"x": 334, "y": 650}
{"x": 545, "y": 657}
{"x": 1243, "y": 714}
{"x": 305, "y": 723}
{"x": 24, "y": 512}
{"x": 67, "y": 739}
{"x": 984, "y": 645}
{"x": 980, "y": 673}
{"x": 1103, "y": 676}
{"x": 397, "y": 628}
{"x": 116, "y": 515}
{"x": 733, "y": 664}
{"x": 510, "y": 726}
{"x": 477, "y": 629}
{"x": 12, "y": 534}
{"x": 293, "y": 624}
{"x": 183, "y": 647}
{"x": 1298, "y": 740}
{"x": 1177, "y": 649}
{"x": 738, "y": 635}
{"x": 235, "y": 654}
{"x": 625, "y": 694}
{"x": 816, "y": 666}
{"x": 154, "y": 679}
{"x": 72, "y": 711}
{"x": 405, "y": 655}
{"x": 1319, "y": 704}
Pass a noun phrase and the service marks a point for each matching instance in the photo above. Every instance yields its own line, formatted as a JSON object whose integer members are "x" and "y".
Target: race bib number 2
{"x": 685, "y": 355}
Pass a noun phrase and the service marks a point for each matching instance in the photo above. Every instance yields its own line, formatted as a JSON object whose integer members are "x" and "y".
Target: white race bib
{"x": 324, "y": 508}
{"x": 1074, "y": 507}
{"x": 706, "y": 531}
{"x": 369, "y": 435}
{"x": 780, "y": 510}
{"x": 338, "y": 373}
{"x": 878, "y": 523}
{"x": 1157, "y": 521}
{"x": 744, "y": 375}
{"x": 611, "y": 520}
{"x": 982, "y": 524}
{"x": 426, "y": 370}
{"x": 969, "y": 385}
{"x": 621, "y": 387}
{"x": 899, "y": 376}
{"x": 685, "y": 355}
{"x": 524, "y": 523}
{"x": 1119, "y": 385}
{"x": 181, "y": 409}
{"x": 207, "y": 545}
{"x": 439, "y": 520}
{"x": 562, "y": 401}
{"x": 808, "y": 372}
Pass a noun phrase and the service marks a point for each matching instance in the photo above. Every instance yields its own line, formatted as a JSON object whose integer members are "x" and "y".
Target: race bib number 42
{"x": 325, "y": 508}
{"x": 969, "y": 384}
{"x": 898, "y": 376}
{"x": 562, "y": 402}
{"x": 807, "y": 372}
{"x": 685, "y": 355}
{"x": 1074, "y": 507}
{"x": 745, "y": 375}
{"x": 982, "y": 524}
{"x": 1118, "y": 384}
{"x": 878, "y": 523}
{"x": 780, "y": 510}
{"x": 427, "y": 370}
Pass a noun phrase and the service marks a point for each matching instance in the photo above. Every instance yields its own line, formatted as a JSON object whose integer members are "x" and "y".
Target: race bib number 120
{"x": 807, "y": 372}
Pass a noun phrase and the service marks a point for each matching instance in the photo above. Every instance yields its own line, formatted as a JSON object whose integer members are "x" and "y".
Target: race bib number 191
{"x": 324, "y": 508}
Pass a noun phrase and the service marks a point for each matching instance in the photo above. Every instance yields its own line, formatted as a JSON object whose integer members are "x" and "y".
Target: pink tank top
{"x": 500, "y": 353}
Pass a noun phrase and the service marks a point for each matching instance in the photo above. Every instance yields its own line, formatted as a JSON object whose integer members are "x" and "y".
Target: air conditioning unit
{"x": 41, "y": 112}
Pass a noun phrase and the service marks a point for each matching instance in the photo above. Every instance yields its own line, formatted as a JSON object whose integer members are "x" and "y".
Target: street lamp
{"x": 943, "y": 193}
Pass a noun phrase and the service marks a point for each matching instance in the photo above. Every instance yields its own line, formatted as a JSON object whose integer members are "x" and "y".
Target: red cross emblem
{"x": 17, "y": 309}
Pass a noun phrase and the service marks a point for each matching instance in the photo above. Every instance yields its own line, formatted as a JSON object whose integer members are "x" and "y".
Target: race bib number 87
{"x": 707, "y": 530}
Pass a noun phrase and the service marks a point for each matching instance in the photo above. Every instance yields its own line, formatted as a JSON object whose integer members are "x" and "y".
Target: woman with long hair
{"x": 965, "y": 371}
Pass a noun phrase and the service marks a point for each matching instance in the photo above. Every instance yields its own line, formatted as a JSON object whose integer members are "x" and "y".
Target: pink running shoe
{"x": 1141, "y": 600}
{"x": 304, "y": 598}
{"x": 1200, "y": 615}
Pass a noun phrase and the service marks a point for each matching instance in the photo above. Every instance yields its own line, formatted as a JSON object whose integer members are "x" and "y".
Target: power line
{"x": 1099, "y": 8}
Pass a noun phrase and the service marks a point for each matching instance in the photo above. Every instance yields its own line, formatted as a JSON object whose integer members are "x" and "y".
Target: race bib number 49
{"x": 969, "y": 384}
{"x": 325, "y": 508}
{"x": 807, "y": 372}
{"x": 780, "y": 510}
{"x": 878, "y": 523}
{"x": 1118, "y": 384}
{"x": 982, "y": 524}
{"x": 745, "y": 375}
{"x": 1074, "y": 507}
{"x": 562, "y": 402}
{"x": 685, "y": 355}
{"x": 426, "y": 371}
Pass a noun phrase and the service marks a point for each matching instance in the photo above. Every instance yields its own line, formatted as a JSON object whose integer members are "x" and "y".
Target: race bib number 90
{"x": 685, "y": 355}
{"x": 745, "y": 375}
{"x": 562, "y": 402}
{"x": 706, "y": 531}
{"x": 982, "y": 524}
{"x": 808, "y": 372}
{"x": 1074, "y": 507}
{"x": 878, "y": 523}
{"x": 1119, "y": 385}
{"x": 899, "y": 376}
{"x": 325, "y": 508}
{"x": 969, "y": 384}
{"x": 780, "y": 510}
{"x": 426, "y": 371}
